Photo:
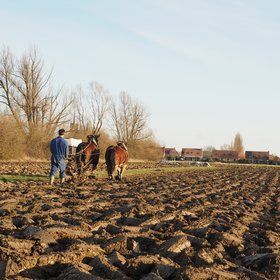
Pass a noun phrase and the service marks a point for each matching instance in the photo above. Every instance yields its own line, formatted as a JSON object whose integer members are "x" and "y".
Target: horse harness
{"x": 122, "y": 147}
{"x": 82, "y": 152}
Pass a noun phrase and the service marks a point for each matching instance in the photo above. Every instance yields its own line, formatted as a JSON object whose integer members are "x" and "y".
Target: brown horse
{"x": 87, "y": 154}
{"x": 116, "y": 159}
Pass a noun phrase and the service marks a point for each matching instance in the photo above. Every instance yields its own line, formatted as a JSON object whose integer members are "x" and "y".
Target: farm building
{"x": 170, "y": 153}
{"x": 191, "y": 153}
{"x": 225, "y": 155}
{"x": 257, "y": 156}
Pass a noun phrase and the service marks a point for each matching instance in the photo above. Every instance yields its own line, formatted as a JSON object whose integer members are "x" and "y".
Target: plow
{"x": 80, "y": 161}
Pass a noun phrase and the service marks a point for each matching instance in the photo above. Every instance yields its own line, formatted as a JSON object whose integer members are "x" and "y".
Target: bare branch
{"x": 129, "y": 119}
{"x": 91, "y": 107}
{"x": 25, "y": 88}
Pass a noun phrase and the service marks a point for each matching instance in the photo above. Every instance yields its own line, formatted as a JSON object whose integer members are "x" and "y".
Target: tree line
{"x": 32, "y": 109}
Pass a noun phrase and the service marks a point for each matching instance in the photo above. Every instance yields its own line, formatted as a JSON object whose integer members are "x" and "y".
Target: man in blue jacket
{"x": 59, "y": 151}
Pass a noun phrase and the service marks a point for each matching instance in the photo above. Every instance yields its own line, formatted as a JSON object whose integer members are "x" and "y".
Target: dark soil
{"x": 206, "y": 224}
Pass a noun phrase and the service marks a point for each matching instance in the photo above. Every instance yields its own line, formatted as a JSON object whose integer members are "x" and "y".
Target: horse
{"x": 116, "y": 159}
{"x": 87, "y": 154}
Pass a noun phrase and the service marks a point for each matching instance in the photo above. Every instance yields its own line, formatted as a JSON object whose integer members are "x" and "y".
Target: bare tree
{"x": 129, "y": 119}
{"x": 207, "y": 151}
{"x": 91, "y": 107}
{"x": 238, "y": 144}
{"x": 209, "y": 148}
{"x": 26, "y": 91}
{"x": 227, "y": 147}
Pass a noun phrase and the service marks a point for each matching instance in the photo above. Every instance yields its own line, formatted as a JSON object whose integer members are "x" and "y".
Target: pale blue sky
{"x": 205, "y": 69}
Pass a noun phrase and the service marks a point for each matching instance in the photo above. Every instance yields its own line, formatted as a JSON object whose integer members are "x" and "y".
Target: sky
{"x": 204, "y": 69}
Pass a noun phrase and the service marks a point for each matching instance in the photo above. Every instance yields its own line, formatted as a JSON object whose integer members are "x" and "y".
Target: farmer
{"x": 59, "y": 151}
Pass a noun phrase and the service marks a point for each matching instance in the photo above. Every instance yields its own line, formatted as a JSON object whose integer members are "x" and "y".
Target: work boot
{"x": 62, "y": 180}
{"x": 51, "y": 180}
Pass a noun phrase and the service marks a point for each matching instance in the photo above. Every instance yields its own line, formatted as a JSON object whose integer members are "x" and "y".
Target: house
{"x": 170, "y": 153}
{"x": 257, "y": 156}
{"x": 225, "y": 155}
{"x": 191, "y": 153}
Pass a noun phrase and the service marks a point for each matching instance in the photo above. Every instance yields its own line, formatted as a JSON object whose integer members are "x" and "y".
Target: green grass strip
{"x": 103, "y": 174}
{"x": 22, "y": 177}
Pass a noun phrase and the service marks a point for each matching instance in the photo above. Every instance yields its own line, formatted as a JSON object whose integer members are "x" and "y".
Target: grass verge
{"x": 22, "y": 177}
{"x": 103, "y": 174}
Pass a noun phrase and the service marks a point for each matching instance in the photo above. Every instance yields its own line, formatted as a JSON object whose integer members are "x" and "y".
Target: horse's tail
{"x": 110, "y": 160}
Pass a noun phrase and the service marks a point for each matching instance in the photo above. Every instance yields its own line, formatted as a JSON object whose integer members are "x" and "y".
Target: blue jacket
{"x": 59, "y": 149}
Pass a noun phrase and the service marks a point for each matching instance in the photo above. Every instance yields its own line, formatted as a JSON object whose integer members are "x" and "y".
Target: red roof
{"x": 191, "y": 152}
{"x": 170, "y": 152}
{"x": 225, "y": 154}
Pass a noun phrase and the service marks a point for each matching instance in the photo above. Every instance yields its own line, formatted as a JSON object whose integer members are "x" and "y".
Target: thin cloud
{"x": 177, "y": 45}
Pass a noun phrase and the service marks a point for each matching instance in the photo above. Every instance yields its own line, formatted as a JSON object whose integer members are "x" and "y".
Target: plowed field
{"x": 220, "y": 223}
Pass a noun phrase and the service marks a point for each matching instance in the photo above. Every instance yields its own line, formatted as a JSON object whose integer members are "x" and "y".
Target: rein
{"x": 87, "y": 164}
{"x": 82, "y": 152}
